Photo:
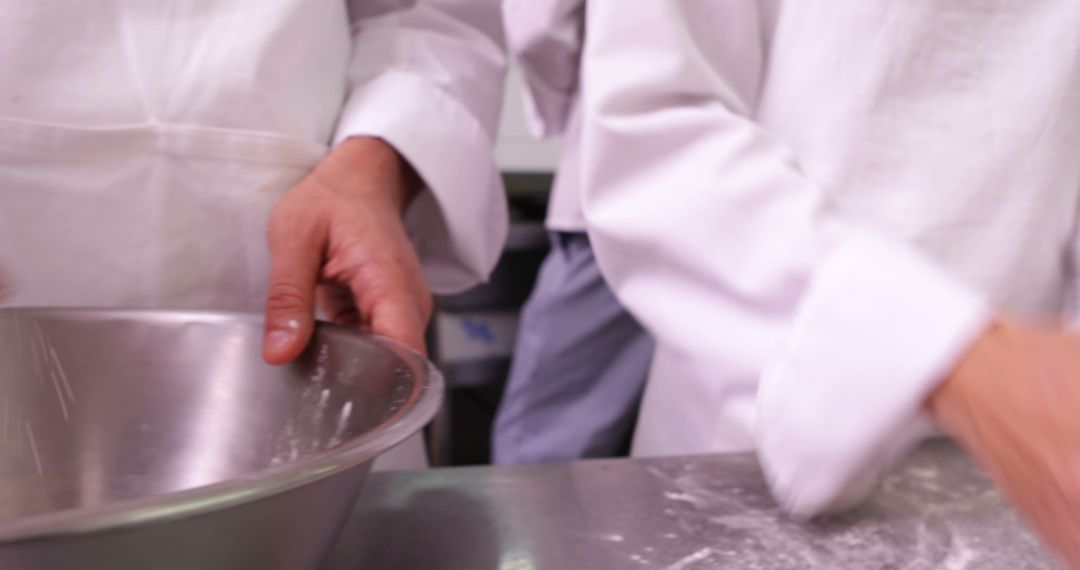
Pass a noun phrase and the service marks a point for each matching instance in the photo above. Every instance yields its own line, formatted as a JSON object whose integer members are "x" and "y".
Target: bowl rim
{"x": 418, "y": 409}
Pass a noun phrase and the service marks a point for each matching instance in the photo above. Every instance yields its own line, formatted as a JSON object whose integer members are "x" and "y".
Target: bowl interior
{"x": 98, "y": 407}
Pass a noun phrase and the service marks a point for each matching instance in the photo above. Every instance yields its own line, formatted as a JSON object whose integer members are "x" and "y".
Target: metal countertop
{"x": 937, "y": 511}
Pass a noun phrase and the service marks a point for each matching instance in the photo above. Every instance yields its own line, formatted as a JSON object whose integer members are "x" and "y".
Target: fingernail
{"x": 281, "y": 339}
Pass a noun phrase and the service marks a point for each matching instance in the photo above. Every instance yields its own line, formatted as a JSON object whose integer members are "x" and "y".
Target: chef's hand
{"x": 1014, "y": 402}
{"x": 338, "y": 238}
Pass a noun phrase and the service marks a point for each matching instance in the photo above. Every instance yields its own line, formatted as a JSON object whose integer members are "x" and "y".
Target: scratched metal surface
{"x": 937, "y": 511}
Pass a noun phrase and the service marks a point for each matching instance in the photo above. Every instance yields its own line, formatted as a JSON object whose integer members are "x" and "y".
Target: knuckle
{"x": 375, "y": 301}
{"x": 286, "y": 296}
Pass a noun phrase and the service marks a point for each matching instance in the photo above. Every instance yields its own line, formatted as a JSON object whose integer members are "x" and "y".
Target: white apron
{"x": 144, "y": 143}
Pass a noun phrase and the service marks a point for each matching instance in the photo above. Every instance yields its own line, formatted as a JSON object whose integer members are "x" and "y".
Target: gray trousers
{"x": 579, "y": 365}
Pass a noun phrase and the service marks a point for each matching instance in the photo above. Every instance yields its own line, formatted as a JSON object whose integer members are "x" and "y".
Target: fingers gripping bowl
{"x": 148, "y": 439}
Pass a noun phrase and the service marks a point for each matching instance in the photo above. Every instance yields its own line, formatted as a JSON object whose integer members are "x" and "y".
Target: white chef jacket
{"x": 546, "y": 37}
{"x": 143, "y": 143}
{"x": 813, "y": 205}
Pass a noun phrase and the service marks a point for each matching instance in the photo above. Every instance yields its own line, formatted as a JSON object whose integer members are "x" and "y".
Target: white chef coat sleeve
{"x": 700, "y": 218}
{"x": 427, "y": 77}
{"x": 546, "y": 38}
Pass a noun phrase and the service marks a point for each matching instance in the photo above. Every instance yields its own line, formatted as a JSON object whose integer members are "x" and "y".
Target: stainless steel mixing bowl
{"x": 161, "y": 441}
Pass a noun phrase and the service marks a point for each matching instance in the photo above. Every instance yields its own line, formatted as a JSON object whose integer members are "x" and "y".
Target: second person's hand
{"x": 337, "y": 238}
{"x": 1014, "y": 402}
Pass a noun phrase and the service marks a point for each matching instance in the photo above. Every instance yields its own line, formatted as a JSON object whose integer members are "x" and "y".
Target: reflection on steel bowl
{"x": 161, "y": 440}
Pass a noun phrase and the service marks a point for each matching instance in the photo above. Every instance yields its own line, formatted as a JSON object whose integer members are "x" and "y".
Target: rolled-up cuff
{"x": 459, "y": 223}
{"x": 878, "y": 329}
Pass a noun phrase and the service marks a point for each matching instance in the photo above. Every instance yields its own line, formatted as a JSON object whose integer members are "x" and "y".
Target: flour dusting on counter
{"x": 923, "y": 517}
{"x": 688, "y": 561}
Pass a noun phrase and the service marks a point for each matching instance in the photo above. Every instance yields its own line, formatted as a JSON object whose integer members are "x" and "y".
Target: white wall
{"x": 516, "y": 150}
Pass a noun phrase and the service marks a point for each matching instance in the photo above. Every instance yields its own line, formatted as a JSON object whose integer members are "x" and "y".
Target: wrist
{"x": 370, "y": 167}
{"x": 992, "y": 359}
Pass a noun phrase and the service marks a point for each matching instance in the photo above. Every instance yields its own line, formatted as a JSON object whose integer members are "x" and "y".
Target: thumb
{"x": 295, "y": 259}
